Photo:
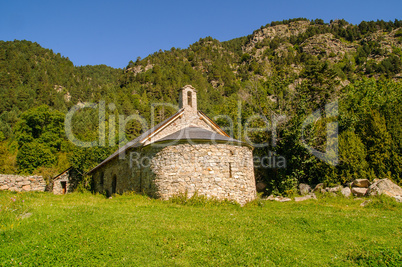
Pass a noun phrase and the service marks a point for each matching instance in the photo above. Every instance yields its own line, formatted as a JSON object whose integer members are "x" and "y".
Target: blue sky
{"x": 115, "y": 32}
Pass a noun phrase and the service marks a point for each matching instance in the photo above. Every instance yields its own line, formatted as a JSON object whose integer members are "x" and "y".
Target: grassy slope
{"x": 85, "y": 229}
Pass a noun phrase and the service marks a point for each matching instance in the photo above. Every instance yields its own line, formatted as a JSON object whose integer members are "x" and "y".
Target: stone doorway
{"x": 63, "y": 187}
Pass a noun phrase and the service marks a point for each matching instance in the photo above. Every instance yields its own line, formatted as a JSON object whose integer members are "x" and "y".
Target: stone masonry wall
{"x": 119, "y": 168}
{"x": 214, "y": 170}
{"x": 22, "y": 183}
{"x": 69, "y": 178}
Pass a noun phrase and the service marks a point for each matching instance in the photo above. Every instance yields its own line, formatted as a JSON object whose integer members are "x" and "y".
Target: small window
{"x": 230, "y": 170}
{"x": 189, "y": 99}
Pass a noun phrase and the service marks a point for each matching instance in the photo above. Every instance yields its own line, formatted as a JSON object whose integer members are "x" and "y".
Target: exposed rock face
{"x": 346, "y": 191}
{"x": 384, "y": 186}
{"x": 361, "y": 183}
{"x": 310, "y": 196}
{"x": 359, "y": 191}
{"x": 140, "y": 68}
{"x": 280, "y": 31}
{"x": 386, "y": 40}
{"x": 304, "y": 189}
{"x": 58, "y": 88}
{"x": 22, "y": 183}
{"x": 326, "y": 44}
{"x": 67, "y": 97}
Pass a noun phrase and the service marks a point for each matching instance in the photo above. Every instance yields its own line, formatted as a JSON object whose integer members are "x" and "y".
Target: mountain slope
{"x": 285, "y": 70}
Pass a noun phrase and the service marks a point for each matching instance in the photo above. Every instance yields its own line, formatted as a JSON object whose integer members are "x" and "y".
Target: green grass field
{"x": 80, "y": 229}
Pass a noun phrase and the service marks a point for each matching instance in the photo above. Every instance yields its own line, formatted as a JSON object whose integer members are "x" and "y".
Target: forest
{"x": 280, "y": 74}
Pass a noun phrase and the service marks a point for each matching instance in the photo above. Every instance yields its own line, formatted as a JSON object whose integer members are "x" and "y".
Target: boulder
{"x": 384, "y": 186}
{"x": 346, "y": 191}
{"x": 309, "y": 196}
{"x": 335, "y": 189}
{"x": 318, "y": 187}
{"x": 304, "y": 189}
{"x": 361, "y": 183}
{"x": 359, "y": 191}
{"x": 398, "y": 199}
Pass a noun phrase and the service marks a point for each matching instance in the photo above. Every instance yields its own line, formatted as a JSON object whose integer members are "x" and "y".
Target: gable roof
{"x": 136, "y": 142}
{"x": 59, "y": 175}
{"x": 193, "y": 133}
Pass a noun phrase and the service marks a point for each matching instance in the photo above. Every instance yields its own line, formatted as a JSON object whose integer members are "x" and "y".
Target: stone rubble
{"x": 359, "y": 188}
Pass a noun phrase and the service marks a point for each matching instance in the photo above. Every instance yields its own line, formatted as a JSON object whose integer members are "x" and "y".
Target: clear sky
{"x": 115, "y": 32}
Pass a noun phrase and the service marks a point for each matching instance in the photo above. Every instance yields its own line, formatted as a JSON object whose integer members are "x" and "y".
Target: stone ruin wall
{"x": 22, "y": 183}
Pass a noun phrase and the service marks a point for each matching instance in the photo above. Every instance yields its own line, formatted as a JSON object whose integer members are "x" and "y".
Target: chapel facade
{"x": 184, "y": 154}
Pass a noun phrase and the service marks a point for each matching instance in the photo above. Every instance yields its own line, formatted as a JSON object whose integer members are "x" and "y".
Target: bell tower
{"x": 188, "y": 98}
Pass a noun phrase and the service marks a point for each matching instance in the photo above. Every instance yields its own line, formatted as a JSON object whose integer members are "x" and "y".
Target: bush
{"x": 32, "y": 155}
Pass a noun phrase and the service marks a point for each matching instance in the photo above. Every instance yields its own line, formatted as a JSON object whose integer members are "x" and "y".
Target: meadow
{"x": 81, "y": 229}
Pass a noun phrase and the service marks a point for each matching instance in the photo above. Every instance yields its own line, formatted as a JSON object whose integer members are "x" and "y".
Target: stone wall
{"x": 65, "y": 182}
{"x": 22, "y": 183}
{"x": 222, "y": 171}
{"x": 214, "y": 170}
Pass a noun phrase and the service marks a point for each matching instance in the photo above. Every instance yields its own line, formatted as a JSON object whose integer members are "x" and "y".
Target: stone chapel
{"x": 185, "y": 153}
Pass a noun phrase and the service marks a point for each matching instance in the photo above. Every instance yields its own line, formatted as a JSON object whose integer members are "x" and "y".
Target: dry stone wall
{"x": 22, "y": 183}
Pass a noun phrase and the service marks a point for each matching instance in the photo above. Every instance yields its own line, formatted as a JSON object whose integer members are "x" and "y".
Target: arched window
{"x": 189, "y": 99}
